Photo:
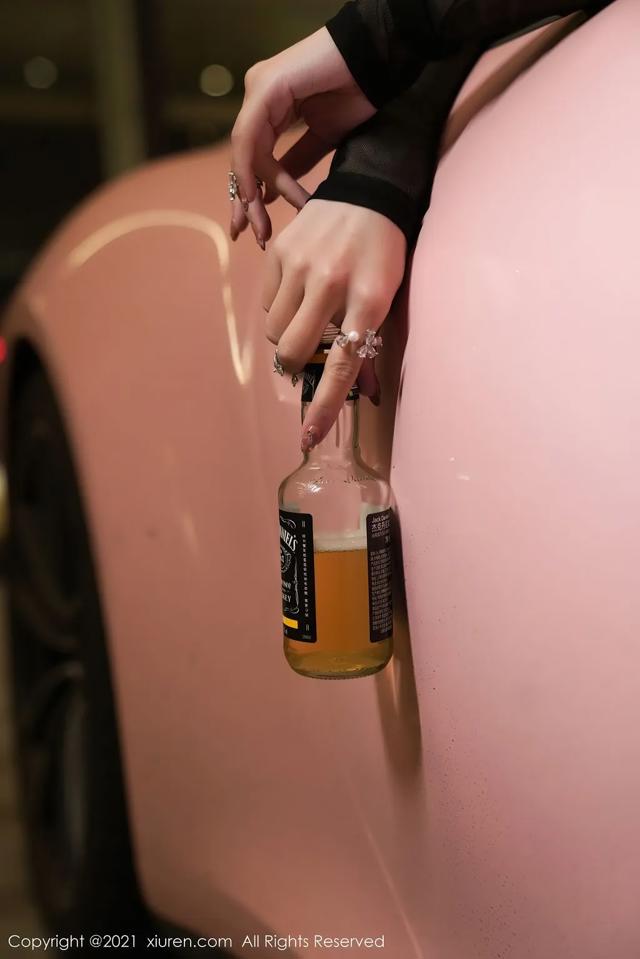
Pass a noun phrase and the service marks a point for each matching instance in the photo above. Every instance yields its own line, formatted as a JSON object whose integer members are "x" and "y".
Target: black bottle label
{"x": 380, "y": 563}
{"x": 298, "y": 583}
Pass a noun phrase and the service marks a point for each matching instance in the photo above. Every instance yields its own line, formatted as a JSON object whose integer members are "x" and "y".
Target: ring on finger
{"x": 234, "y": 186}
{"x": 277, "y": 365}
{"x": 368, "y": 349}
{"x": 279, "y": 369}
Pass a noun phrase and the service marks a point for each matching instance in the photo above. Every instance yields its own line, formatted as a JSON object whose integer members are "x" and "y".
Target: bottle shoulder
{"x": 316, "y": 480}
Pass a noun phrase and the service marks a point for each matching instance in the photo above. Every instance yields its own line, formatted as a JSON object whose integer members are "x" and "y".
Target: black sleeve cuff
{"x": 350, "y": 34}
{"x": 378, "y": 79}
{"x": 378, "y": 195}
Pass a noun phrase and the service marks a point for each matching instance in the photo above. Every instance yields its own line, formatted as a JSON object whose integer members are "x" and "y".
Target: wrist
{"x": 315, "y": 66}
{"x": 376, "y": 195}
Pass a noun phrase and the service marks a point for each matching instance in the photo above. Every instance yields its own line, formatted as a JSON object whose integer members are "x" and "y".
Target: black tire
{"x": 66, "y": 731}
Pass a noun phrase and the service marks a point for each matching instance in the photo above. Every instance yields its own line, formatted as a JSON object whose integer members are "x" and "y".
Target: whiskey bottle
{"x": 335, "y": 551}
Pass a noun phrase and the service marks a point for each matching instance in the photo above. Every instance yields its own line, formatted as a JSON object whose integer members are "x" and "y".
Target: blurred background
{"x": 89, "y": 89}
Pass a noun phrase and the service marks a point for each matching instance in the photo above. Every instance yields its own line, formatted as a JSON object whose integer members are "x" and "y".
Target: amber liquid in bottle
{"x": 335, "y": 538}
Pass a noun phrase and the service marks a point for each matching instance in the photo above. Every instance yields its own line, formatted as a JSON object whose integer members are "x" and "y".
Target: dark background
{"x": 89, "y": 88}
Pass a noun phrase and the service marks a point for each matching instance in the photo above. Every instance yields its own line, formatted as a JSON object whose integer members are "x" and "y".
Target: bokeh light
{"x": 40, "y": 73}
{"x": 216, "y": 80}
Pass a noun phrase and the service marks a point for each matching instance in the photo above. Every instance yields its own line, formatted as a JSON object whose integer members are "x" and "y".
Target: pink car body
{"x": 480, "y": 797}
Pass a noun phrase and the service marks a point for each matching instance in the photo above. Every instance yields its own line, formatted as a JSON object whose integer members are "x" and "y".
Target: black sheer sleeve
{"x": 385, "y": 43}
{"x": 388, "y": 163}
{"x": 410, "y": 58}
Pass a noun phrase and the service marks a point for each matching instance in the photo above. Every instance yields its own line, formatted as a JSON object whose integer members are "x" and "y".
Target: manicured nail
{"x": 309, "y": 439}
{"x": 375, "y": 399}
{"x": 233, "y": 233}
{"x": 261, "y": 243}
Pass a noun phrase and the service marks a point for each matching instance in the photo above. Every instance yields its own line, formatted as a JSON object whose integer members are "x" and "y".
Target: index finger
{"x": 244, "y": 139}
{"x": 280, "y": 182}
{"x": 340, "y": 373}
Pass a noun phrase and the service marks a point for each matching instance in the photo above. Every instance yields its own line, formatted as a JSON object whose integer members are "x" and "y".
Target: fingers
{"x": 251, "y": 124}
{"x": 243, "y": 139}
{"x": 250, "y": 198}
{"x": 302, "y": 157}
{"x": 239, "y": 221}
{"x": 272, "y": 280}
{"x": 256, "y": 215}
{"x": 251, "y": 136}
{"x": 300, "y": 339}
{"x": 368, "y": 382}
{"x": 252, "y": 142}
{"x": 285, "y": 304}
{"x": 341, "y": 370}
{"x": 301, "y": 295}
{"x": 334, "y": 261}
{"x": 280, "y": 182}
{"x": 340, "y": 373}
{"x": 259, "y": 220}
{"x": 277, "y": 183}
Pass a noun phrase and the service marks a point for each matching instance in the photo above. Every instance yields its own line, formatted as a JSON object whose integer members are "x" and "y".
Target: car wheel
{"x": 66, "y": 730}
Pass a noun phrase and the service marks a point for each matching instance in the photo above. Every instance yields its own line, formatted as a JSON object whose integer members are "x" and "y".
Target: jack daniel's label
{"x": 298, "y": 581}
{"x": 379, "y": 560}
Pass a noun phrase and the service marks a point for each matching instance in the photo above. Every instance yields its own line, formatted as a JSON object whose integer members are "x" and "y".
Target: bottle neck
{"x": 341, "y": 442}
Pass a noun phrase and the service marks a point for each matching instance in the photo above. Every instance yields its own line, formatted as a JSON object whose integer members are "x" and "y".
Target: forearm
{"x": 385, "y": 43}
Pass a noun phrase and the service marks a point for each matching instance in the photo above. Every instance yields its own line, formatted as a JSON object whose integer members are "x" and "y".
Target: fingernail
{"x": 309, "y": 439}
{"x": 233, "y": 233}
{"x": 375, "y": 399}
{"x": 261, "y": 243}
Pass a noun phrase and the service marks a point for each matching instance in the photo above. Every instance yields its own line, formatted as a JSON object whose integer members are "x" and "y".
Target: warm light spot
{"x": 241, "y": 354}
{"x": 40, "y": 73}
{"x": 216, "y": 80}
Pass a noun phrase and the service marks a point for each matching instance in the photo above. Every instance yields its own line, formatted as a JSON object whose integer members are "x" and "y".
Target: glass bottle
{"x": 335, "y": 551}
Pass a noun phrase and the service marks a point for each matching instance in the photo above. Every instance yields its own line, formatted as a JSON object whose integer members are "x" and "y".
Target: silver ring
{"x": 370, "y": 347}
{"x": 277, "y": 365}
{"x": 234, "y": 188}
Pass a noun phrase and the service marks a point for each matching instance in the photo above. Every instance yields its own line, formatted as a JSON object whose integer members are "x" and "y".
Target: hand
{"x": 334, "y": 263}
{"x": 308, "y": 81}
